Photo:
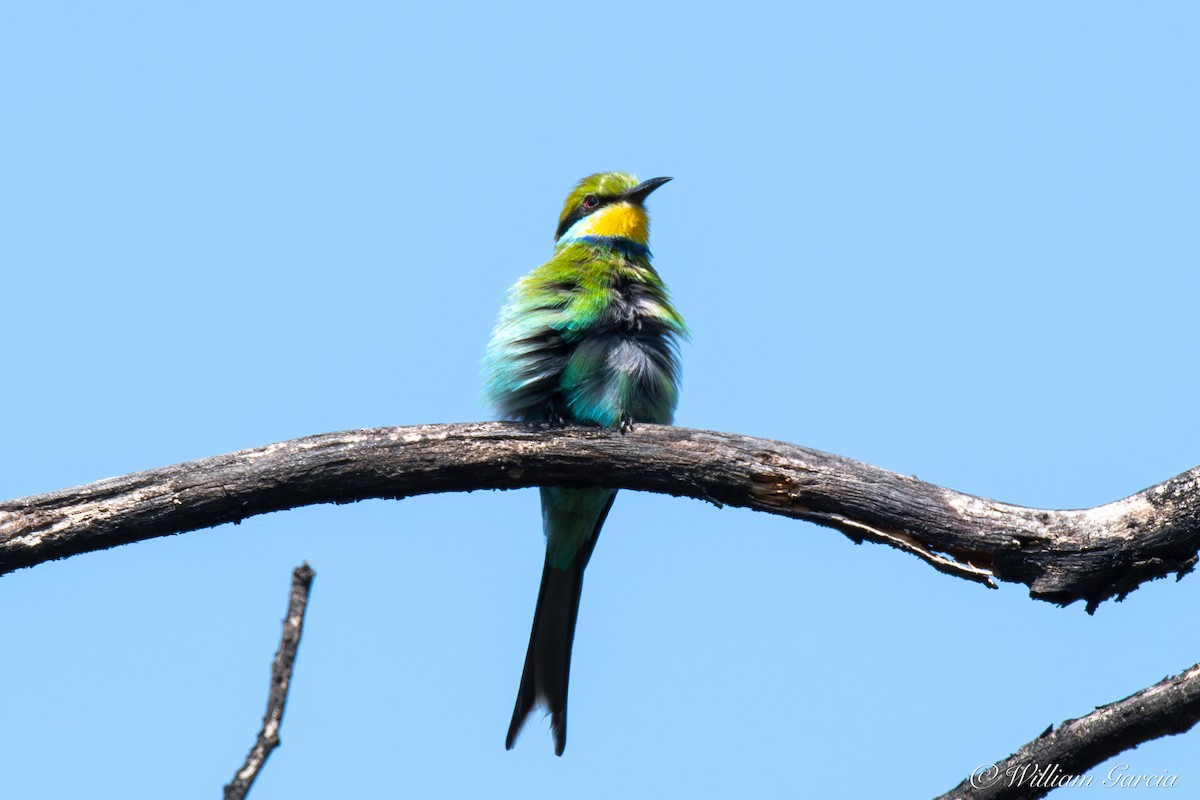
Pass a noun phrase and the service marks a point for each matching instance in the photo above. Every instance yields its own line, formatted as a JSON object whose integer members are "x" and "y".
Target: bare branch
{"x": 281, "y": 681}
{"x": 1062, "y": 556}
{"x": 1062, "y": 757}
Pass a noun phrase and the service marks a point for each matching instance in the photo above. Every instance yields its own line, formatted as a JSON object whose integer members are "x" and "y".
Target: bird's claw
{"x": 554, "y": 415}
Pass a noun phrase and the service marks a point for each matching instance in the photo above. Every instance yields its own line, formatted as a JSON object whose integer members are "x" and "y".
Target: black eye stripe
{"x": 580, "y": 212}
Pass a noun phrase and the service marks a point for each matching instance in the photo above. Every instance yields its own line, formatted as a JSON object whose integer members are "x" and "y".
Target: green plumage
{"x": 589, "y": 337}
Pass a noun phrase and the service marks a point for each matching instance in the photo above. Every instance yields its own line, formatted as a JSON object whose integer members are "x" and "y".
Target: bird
{"x": 590, "y": 337}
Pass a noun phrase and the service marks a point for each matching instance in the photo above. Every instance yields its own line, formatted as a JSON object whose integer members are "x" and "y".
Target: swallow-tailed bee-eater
{"x": 590, "y": 337}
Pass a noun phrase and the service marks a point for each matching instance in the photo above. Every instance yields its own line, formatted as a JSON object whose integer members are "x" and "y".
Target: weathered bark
{"x": 1062, "y": 556}
{"x": 1062, "y": 757}
{"x": 281, "y": 680}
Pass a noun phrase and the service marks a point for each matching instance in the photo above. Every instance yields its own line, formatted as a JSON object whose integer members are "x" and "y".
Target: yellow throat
{"x": 626, "y": 220}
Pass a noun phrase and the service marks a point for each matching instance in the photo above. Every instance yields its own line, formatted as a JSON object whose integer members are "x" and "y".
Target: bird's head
{"x": 610, "y": 205}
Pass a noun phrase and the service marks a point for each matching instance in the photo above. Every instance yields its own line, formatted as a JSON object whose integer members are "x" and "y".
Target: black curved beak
{"x": 639, "y": 193}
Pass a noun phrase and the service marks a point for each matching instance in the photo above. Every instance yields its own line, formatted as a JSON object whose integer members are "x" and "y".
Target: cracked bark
{"x": 1062, "y": 556}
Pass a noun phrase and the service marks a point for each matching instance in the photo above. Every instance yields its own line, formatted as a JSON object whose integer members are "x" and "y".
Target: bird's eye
{"x": 590, "y": 202}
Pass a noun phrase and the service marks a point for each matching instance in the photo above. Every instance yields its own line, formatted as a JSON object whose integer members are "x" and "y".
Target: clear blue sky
{"x": 953, "y": 240}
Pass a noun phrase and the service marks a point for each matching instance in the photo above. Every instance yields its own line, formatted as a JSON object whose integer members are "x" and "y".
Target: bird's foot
{"x": 555, "y": 417}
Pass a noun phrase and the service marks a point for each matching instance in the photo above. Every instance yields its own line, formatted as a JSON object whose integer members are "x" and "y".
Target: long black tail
{"x": 548, "y": 659}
